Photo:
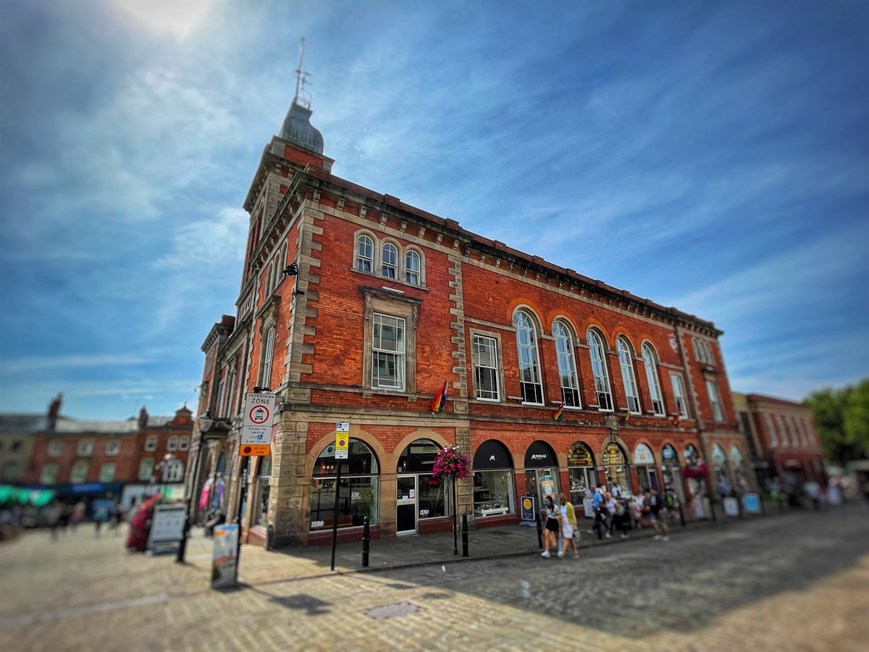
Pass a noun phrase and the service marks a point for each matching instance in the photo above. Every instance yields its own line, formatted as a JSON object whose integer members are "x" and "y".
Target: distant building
{"x": 97, "y": 459}
{"x": 782, "y": 439}
{"x": 357, "y": 307}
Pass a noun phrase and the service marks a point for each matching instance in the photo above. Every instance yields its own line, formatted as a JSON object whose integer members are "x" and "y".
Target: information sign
{"x": 256, "y": 429}
{"x": 528, "y": 512}
{"x": 167, "y": 526}
{"x": 342, "y": 440}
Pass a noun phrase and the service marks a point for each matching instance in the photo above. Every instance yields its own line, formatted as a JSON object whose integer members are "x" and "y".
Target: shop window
{"x": 493, "y": 480}
{"x": 644, "y": 462}
{"x": 581, "y": 473}
{"x": 616, "y": 466}
{"x": 358, "y": 494}
{"x": 262, "y": 491}
{"x": 431, "y": 496}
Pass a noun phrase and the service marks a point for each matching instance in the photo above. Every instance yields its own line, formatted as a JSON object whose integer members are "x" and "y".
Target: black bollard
{"x": 540, "y": 530}
{"x": 464, "y": 535}
{"x": 182, "y": 545}
{"x": 270, "y": 537}
{"x": 366, "y": 541}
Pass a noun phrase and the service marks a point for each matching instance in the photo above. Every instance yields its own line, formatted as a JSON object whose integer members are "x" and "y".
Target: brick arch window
{"x": 529, "y": 359}
{"x": 566, "y": 363}
{"x": 389, "y": 261}
{"x": 650, "y": 362}
{"x": 629, "y": 380}
{"x": 364, "y": 253}
{"x": 597, "y": 353}
{"x": 413, "y": 267}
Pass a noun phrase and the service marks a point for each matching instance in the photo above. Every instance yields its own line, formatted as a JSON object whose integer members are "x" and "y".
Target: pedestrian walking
{"x": 622, "y": 518}
{"x": 569, "y": 532}
{"x": 118, "y": 513}
{"x": 610, "y": 503}
{"x": 79, "y": 512}
{"x": 550, "y": 532}
{"x": 636, "y": 508}
{"x": 658, "y": 516}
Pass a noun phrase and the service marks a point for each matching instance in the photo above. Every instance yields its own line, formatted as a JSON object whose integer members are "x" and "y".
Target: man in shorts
{"x": 658, "y": 516}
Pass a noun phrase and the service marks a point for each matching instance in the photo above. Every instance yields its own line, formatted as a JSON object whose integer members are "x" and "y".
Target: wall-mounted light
{"x": 291, "y": 270}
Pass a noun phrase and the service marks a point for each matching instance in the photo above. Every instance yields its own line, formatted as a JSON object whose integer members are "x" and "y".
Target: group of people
{"x": 62, "y": 516}
{"x": 612, "y": 511}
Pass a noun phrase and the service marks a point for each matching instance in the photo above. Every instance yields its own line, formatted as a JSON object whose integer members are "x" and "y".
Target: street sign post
{"x": 342, "y": 440}
{"x": 256, "y": 429}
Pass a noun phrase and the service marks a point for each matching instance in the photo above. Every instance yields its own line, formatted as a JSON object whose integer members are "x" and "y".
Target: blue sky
{"x": 713, "y": 156}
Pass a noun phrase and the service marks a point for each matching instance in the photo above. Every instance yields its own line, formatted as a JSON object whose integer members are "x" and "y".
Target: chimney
{"x": 143, "y": 417}
{"x": 54, "y": 410}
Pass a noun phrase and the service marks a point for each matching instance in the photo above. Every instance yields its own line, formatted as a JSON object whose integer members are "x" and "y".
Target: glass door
{"x": 405, "y": 504}
{"x": 542, "y": 483}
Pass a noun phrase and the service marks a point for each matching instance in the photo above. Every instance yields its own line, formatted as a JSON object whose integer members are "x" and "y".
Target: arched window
{"x": 650, "y": 360}
{"x": 364, "y": 254}
{"x": 529, "y": 362}
{"x": 493, "y": 480}
{"x": 358, "y": 493}
{"x": 566, "y": 365}
{"x": 390, "y": 261}
{"x": 598, "y": 368}
{"x": 413, "y": 267}
{"x": 580, "y": 471}
{"x": 626, "y": 362}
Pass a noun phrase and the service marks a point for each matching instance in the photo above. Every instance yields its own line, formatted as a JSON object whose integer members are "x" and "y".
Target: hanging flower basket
{"x": 696, "y": 471}
{"x": 450, "y": 463}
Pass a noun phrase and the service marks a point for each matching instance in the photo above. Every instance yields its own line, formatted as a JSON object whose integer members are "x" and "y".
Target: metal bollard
{"x": 540, "y": 530}
{"x": 464, "y": 535}
{"x": 270, "y": 537}
{"x": 366, "y": 541}
{"x": 182, "y": 545}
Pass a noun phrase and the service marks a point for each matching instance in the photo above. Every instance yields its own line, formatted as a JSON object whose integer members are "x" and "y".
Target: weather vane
{"x": 302, "y": 97}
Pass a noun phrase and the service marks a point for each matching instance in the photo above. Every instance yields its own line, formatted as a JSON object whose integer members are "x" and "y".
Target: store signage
{"x": 224, "y": 559}
{"x": 751, "y": 503}
{"x": 731, "y": 506}
{"x": 167, "y": 526}
{"x": 643, "y": 455}
{"x": 528, "y": 509}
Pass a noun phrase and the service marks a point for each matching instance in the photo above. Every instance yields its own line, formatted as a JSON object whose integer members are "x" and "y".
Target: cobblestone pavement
{"x": 793, "y": 582}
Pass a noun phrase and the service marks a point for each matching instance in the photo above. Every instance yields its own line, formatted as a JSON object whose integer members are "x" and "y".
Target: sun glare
{"x": 178, "y": 18}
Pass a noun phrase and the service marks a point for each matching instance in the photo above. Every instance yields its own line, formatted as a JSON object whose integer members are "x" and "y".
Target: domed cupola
{"x": 297, "y": 125}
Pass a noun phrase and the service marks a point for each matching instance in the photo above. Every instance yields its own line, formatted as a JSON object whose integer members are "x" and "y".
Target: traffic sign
{"x": 256, "y": 430}
{"x": 342, "y": 440}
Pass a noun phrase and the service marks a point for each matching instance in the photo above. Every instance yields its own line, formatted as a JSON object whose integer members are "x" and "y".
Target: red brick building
{"x": 109, "y": 459}
{"x": 356, "y": 307}
{"x": 782, "y": 439}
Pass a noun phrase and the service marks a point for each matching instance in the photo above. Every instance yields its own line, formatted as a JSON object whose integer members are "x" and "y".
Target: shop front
{"x": 672, "y": 476}
{"x": 420, "y": 499}
{"x": 493, "y": 482}
{"x": 618, "y": 480}
{"x": 357, "y": 496}
{"x": 582, "y": 477}
{"x": 541, "y": 473}
{"x": 644, "y": 463}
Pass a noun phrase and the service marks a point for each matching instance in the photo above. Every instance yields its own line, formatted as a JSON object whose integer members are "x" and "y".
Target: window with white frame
{"x": 85, "y": 447}
{"x": 113, "y": 447}
{"x": 650, "y": 361}
{"x": 151, "y": 443}
{"x": 597, "y": 353}
{"x": 173, "y": 470}
{"x": 107, "y": 472}
{"x": 389, "y": 265}
{"x": 48, "y": 474}
{"x": 780, "y": 427}
{"x": 626, "y": 363}
{"x": 55, "y": 447}
{"x": 770, "y": 428}
{"x": 388, "y": 352}
{"x": 679, "y": 395}
{"x": 146, "y": 468}
{"x": 173, "y": 444}
{"x": 487, "y": 369}
{"x": 184, "y": 443}
{"x": 714, "y": 400}
{"x": 265, "y": 377}
{"x": 364, "y": 254}
{"x": 529, "y": 361}
{"x": 566, "y": 365}
{"x": 413, "y": 267}
{"x": 79, "y": 472}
